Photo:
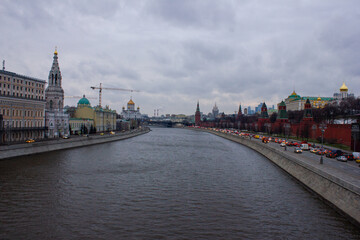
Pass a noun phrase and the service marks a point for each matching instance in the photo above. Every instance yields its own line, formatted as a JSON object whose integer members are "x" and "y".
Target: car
{"x": 297, "y": 150}
{"x": 341, "y": 158}
{"x": 101, "y": 134}
{"x": 349, "y": 156}
{"x": 65, "y": 136}
{"x": 30, "y": 140}
{"x": 305, "y": 146}
{"x": 112, "y": 133}
{"x": 329, "y": 153}
{"x": 356, "y": 155}
{"x": 283, "y": 144}
{"x": 314, "y": 150}
{"x": 335, "y": 153}
{"x": 321, "y": 152}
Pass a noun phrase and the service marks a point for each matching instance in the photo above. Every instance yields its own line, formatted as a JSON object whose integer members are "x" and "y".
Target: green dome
{"x": 84, "y": 101}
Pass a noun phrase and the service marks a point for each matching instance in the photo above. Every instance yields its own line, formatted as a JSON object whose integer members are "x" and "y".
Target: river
{"x": 167, "y": 184}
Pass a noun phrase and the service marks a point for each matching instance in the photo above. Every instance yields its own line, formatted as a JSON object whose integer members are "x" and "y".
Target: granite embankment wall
{"x": 19, "y": 150}
{"x": 344, "y": 196}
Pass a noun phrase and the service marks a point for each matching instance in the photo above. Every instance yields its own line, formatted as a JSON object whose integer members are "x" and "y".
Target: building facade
{"x": 56, "y": 120}
{"x": 103, "y": 119}
{"x": 22, "y": 107}
{"x": 343, "y": 93}
{"x": 296, "y": 103}
{"x": 215, "y": 111}
{"x": 131, "y": 113}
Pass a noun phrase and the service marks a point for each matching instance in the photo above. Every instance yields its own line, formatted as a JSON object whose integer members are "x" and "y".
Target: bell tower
{"x": 54, "y": 94}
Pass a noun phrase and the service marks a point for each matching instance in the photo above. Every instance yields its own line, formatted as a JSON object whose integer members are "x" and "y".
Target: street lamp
{"x": 287, "y": 127}
{"x": 322, "y": 128}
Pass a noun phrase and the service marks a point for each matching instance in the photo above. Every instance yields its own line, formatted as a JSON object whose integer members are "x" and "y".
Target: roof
{"x": 84, "y": 101}
{"x": 131, "y": 102}
{"x": 21, "y": 76}
{"x": 282, "y": 104}
{"x": 317, "y": 98}
{"x": 343, "y": 88}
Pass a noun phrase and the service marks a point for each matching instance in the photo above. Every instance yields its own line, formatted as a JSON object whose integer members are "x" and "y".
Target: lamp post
{"x": 287, "y": 127}
{"x": 322, "y": 128}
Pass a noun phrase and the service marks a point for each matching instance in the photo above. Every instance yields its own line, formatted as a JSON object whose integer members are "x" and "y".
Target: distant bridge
{"x": 167, "y": 123}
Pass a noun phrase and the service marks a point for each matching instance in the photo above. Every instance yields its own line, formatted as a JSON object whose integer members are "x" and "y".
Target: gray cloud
{"x": 178, "y": 52}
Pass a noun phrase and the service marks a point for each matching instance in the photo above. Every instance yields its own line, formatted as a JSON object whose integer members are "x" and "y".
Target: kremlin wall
{"x": 307, "y": 128}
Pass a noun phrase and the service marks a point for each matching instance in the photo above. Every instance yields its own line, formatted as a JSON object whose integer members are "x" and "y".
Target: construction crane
{"x": 80, "y": 97}
{"x": 120, "y": 89}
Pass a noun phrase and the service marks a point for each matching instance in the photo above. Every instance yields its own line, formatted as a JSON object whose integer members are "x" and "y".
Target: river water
{"x": 167, "y": 184}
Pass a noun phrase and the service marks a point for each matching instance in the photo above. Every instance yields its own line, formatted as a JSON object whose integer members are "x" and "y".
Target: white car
{"x": 283, "y": 144}
{"x": 341, "y": 158}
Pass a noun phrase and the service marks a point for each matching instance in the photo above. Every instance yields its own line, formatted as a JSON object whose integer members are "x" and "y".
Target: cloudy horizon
{"x": 179, "y": 52}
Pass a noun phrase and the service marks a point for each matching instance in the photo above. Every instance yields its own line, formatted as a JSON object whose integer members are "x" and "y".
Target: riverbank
{"x": 337, "y": 186}
{"x": 18, "y": 150}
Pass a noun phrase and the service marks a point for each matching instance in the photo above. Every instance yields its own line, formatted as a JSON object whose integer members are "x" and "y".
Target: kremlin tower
{"x": 197, "y": 115}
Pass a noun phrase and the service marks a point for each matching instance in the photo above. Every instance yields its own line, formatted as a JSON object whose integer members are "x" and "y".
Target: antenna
{"x": 3, "y": 65}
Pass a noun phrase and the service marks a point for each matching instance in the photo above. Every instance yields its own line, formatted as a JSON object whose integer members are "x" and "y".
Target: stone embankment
{"x": 335, "y": 186}
{"x": 18, "y": 150}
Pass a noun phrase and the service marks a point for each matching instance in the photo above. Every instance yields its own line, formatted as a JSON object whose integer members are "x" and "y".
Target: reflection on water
{"x": 168, "y": 184}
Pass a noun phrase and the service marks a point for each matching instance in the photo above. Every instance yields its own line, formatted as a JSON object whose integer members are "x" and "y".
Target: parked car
{"x": 30, "y": 140}
{"x": 341, "y": 158}
{"x": 283, "y": 144}
{"x": 297, "y": 150}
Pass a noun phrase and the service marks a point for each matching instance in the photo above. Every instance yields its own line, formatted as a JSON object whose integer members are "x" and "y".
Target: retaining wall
{"x": 341, "y": 194}
{"x": 61, "y": 144}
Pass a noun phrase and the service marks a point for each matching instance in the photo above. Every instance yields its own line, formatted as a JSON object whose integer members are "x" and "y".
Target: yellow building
{"x": 104, "y": 119}
{"x": 295, "y": 103}
{"x": 22, "y": 107}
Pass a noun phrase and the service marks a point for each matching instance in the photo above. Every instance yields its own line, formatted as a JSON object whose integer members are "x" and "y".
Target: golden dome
{"x": 294, "y": 93}
{"x": 55, "y": 51}
{"x": 319, "y": 98}
{"x": 343, "y": 88}
{"x": 131, "y": 102}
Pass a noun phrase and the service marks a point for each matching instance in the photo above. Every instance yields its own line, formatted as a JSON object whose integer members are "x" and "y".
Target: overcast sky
{"x": 178, "y": 52}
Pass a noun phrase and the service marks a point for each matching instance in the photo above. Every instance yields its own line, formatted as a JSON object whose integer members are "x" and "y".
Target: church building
{"x": 131, "y": 113}
{"x": 56, "y": 120}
